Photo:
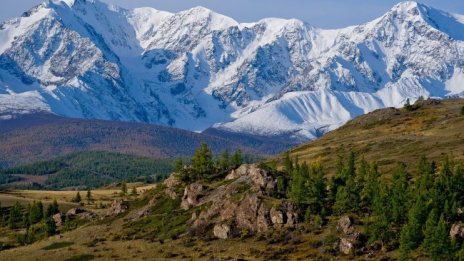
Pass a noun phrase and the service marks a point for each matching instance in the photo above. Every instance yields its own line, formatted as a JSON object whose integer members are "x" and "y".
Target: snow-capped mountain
{"x": 198, "y": 69}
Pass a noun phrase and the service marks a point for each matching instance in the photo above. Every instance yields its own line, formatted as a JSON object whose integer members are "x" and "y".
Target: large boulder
{"x": 277, "y": 217}
{"x": 75, "y": 211}
{"x": 118, "y": 206}
{"x": 221, "y": 231}
{"x": 192, "y": 194}
{"x": 457, "y": 231}
{"x": 345, "y": 225}
{"x": 58, "y": 218}
{"x": 171, "y": 183}
{"x": 79, "y": 213}
{"x": 258, "y": 176}
{"x": 349, "y": 244}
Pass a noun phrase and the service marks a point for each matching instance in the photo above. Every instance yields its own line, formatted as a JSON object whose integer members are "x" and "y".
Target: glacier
{"x": 198, "y": 69}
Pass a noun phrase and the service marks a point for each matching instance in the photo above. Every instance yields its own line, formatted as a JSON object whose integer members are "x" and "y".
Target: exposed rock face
{"x": 171, "y": 184}
{"x": 58, "y": 219}
{"x": 457, "y": 231}
{"x": 239, "y": 206}
{"x": 117, "y": 207}
{"x": 258, "y": 176}
{"x": 192, "y": 194}
{"x": 221, "y": 231}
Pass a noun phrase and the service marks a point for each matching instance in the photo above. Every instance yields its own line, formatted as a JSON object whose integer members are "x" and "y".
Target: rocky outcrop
{"x": 239, "y": 206}
{"x": 192, "y": 194}
{"x": 351, "y": 240}
{"x": 80, "y": 213}
{"x": 221, "y": 231}
{"x": 457, "y": 231}
{"x": 58, "y": 218}
{"x": 171, "y": 183}
{"x": 258, "y": 176}
{"x": 345, "y": 225}
{"x": 117, "y": 207}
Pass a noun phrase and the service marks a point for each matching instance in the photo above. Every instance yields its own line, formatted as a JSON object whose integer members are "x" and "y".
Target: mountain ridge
{"x": 197, "y": 69}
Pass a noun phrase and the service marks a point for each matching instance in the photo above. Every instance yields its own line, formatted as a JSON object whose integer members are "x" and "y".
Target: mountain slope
{"x": 197, "y": 69}
{"x": 388, "y": 136}
{"x": 36, "y": 137}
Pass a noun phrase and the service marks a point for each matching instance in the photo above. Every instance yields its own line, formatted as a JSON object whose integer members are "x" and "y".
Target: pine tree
{"x": 124, "y": 188}
{"x": 89, "y": 195}
{"x": 134, "y": 191}
{"x": 237, "y": 159}
{"x": 202, "y": 161}
{"x": 224, "y": 161}
{"x": 436, "y": 242}
{"x": 77, "y": 198}
{"x": 316, "y": 188}
{"x": 178, "y": 165}
{"x": 53, "y": 208}
{"x": 407, "y": 106}
{"x": 49, "y": 226}
{"x": 288, "y": 164}
{"x": 35, "y": 212}
{"x": 15, "y": 215}
{"x": 412, "y": 233}
{"x": 298, "y": 181}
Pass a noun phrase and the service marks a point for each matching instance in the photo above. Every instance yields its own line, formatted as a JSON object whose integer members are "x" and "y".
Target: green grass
{"x": 83, "y": 257}
{"x": 389, "y": 136}
{"x": 58, "y": 245}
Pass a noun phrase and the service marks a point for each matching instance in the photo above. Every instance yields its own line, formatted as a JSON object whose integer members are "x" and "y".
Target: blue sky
{"x": 320, "y": 13}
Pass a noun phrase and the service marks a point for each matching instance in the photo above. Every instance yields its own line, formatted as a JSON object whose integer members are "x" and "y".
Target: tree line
{"x": 404, "y": 212}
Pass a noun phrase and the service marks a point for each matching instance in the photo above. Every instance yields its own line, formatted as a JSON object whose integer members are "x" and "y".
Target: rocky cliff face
{"x": 197, "y": 69}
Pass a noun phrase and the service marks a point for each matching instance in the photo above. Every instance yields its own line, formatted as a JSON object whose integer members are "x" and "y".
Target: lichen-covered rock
{"x": 191, "y": 196}
{"x": 457, "y": 231}
{"x": 221, "y": 231}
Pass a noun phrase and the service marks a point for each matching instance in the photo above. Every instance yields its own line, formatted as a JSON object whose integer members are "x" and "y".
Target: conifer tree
{"x": 53, "y": 209}
{"x": 178, "y": 165}
{"x": 124, "y": 188}
{"x": 298, "y": 181}
{"x": 49, "y": 226}
{"x": 224, "y": 161}
{"x": 202, "y": 161}
{"x": 77, "y": 198}
{"x": 89, "y": 195}
{"x": 288, "y": 164}
{"x": 35, "y": 212}
{"x": 134, "y": 191}
{"x": 237, "y": 159}
{"x": 15, "y": 215}
{"x": 436, "y": 241}
{"x": 407, "y": 106}
{"x": 412, "y": 232}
